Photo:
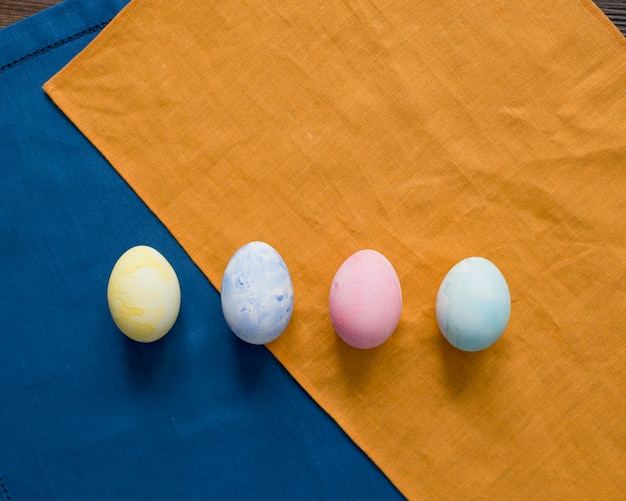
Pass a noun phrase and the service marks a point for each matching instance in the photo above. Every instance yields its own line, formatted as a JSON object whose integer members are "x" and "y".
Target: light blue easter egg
{"x": 473, "y": 304}
{"x": 257, "y": 293}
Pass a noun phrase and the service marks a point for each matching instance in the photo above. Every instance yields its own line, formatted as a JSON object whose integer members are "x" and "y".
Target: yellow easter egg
{"x": 143, "y": 294}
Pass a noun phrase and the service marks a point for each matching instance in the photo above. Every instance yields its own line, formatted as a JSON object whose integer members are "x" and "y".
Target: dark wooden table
{"x": 12, "y": 11}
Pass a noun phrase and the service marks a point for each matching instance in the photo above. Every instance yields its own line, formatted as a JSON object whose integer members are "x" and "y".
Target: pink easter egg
{"x": 365, "y": 300}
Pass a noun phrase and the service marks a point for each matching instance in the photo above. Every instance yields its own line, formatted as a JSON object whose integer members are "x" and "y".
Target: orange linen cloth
{"x": 429, "y": 131}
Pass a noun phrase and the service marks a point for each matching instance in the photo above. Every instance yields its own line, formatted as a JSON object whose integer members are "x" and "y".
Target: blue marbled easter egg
{"x": 257, "y": 293}
{"x": 473, "y": 304}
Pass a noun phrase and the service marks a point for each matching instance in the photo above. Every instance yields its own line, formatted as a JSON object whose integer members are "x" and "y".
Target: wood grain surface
{"x": 615, "y": 11}
{"x": 12, "y": 11}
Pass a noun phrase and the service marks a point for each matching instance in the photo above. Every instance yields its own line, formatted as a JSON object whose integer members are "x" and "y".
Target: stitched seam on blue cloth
{"x": 5, "y": 491}
{"x": 55, "y": 45}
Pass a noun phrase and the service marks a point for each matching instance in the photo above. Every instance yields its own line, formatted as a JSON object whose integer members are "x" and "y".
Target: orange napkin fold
{"x": 429, "y": 131}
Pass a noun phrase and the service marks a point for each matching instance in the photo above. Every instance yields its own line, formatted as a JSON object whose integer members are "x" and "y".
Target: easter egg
{"x": 257, "y": 293}
{"x": 143, "y": 294}
{"x": 365, "y": 300}
{"x": 473, "y": 304}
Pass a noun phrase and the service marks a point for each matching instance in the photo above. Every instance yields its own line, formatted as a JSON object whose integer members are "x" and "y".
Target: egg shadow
{"x": 154, "y": 365}
{"x": 464, "y": 370}
{"x": 250, "y": 363}
{"x": 358, "y": 366}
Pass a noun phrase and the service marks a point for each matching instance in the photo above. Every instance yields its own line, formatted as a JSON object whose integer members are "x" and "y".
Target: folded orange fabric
{"x": 430, "y": 132}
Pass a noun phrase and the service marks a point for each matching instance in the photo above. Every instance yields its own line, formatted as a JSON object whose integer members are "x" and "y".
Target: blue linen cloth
{"x": 86, "y": 413}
